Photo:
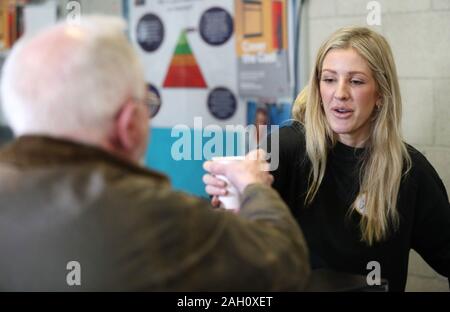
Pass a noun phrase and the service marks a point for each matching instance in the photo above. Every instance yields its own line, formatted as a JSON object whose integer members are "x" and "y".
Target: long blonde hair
{"x": 386, "y": 154}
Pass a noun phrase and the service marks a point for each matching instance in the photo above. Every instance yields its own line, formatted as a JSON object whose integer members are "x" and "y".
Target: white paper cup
{"x": 233, "y": 198}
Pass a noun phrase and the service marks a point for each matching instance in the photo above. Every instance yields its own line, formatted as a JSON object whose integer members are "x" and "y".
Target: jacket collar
{"x": 34, "y": 151}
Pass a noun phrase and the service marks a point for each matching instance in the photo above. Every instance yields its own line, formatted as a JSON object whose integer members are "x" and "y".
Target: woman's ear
{"x": 379, "y": 102}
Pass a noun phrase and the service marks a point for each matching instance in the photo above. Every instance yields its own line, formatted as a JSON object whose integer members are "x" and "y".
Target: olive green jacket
{"x": 127, "y": 229}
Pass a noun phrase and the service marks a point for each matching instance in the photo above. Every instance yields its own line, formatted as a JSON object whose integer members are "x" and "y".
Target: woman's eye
{"x": 328, "y": 80}
{"x": 357, "y": 82}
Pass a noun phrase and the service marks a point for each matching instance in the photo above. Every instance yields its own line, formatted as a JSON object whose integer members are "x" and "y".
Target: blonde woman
{"x": 359, "y": 193}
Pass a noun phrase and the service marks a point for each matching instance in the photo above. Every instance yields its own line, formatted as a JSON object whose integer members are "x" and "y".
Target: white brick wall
{"x": 350, "y": 7}
{"x": 358, "y": 7}
{"x": 404, "y": 6}
{"x": 420, "y": 42}
{"x": 321, "y": 28}
{"x": 321, "y": 8}
{"x": 441, "y": 4}
{"x": 419, "y": 34}
{"x": 111, "y": 7}
{"x": 442, "y": 103}
{"x": 418, "y": 111}
{"x": 439, "y": 158}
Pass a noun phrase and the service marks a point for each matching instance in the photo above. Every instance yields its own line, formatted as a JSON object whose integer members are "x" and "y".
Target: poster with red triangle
{"x": 184, "y": 71}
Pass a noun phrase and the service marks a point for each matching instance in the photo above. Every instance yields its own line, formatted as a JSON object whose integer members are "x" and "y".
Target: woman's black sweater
{"x": 334, "y": 235}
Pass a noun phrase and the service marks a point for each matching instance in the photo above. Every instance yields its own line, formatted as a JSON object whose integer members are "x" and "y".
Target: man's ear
{"x": 127, "y": 128}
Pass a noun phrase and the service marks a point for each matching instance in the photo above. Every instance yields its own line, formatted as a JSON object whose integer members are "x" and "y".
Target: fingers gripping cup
{"x": 233, "y": 198}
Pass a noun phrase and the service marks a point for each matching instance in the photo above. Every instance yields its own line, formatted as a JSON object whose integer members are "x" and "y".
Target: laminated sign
{"x": 262, "y": 48}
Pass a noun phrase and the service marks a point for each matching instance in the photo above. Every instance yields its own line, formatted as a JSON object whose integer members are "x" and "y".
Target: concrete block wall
{"x": 109, "y": 7}
{"x": 419, "y": 34}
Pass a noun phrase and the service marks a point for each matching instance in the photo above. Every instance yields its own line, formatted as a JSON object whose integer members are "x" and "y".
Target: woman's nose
{"x": 341, "y": 92}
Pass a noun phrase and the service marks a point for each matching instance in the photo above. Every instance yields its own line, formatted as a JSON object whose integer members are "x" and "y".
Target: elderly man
{"x": 77, "y": 212}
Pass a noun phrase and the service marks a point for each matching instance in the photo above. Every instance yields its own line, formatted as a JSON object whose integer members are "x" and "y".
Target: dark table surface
{"x": 323, "y": 280}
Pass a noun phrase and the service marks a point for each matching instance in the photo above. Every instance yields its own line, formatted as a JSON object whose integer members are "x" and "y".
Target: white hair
{"x": 74, "y": 87}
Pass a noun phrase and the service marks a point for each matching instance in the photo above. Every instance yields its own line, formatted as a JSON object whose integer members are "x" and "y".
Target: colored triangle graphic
{"x": 184, "y": 71}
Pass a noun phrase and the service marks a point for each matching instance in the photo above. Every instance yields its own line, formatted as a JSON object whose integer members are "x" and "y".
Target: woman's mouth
{"x": 342, "y": 112}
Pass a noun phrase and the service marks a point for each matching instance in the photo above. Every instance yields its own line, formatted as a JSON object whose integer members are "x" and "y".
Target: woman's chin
{"x": 341, "y": 129}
